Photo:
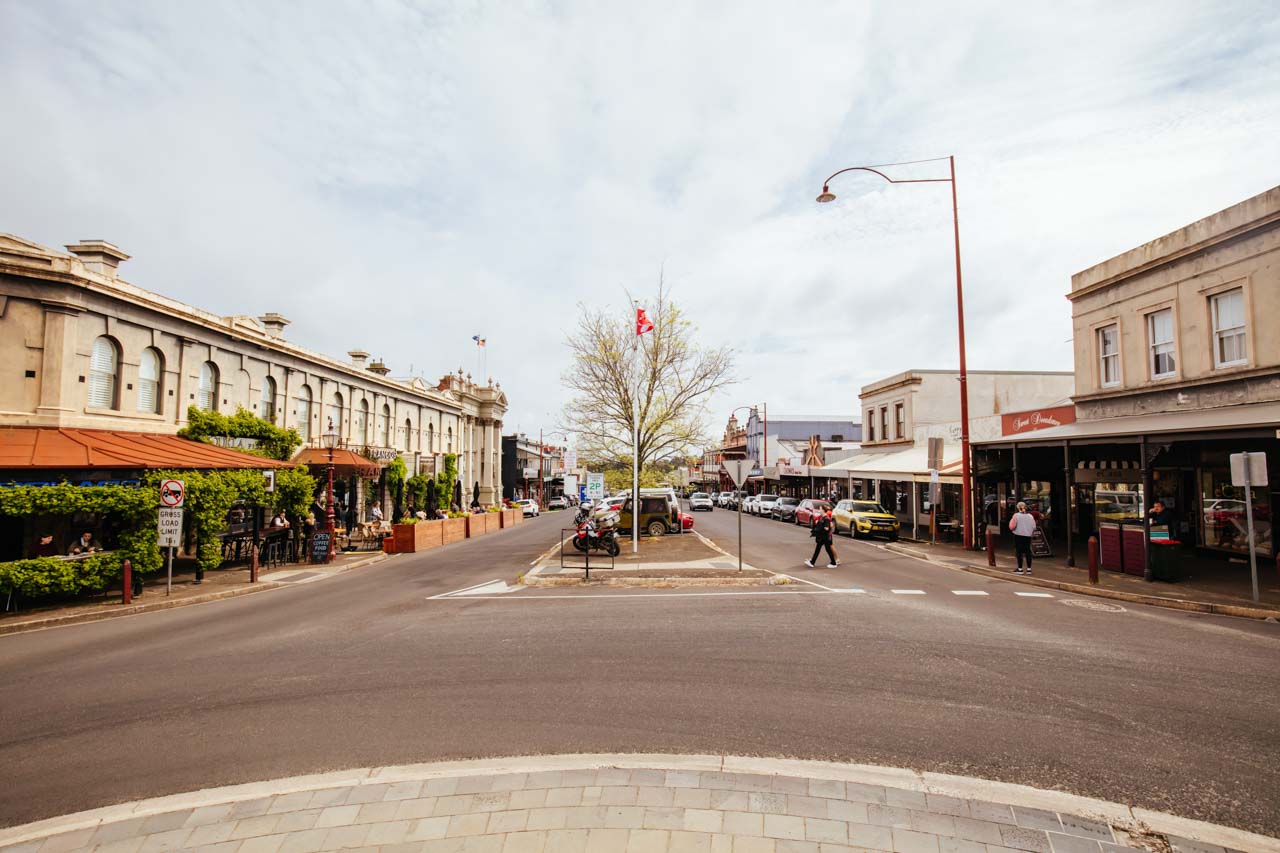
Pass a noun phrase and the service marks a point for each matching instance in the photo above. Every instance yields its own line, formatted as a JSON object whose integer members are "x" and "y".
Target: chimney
{"x": 379, "y": 368}
{"x": 274, "y": 324}
{"x": 358, "y": 358}
{"x": 98, "y": 256}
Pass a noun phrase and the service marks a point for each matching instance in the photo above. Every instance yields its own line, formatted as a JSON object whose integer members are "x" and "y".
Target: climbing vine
{"x": 273, "y": 442}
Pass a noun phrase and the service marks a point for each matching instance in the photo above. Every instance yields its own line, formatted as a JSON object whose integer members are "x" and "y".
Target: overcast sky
{"x": 397, "y": 177}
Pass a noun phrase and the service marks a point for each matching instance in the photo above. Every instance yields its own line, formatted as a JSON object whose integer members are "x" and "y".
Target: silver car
{"x": 700, "y": 500}
{"x": 764, "y": 505}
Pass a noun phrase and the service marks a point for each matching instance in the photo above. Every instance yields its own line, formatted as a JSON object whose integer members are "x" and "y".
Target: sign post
{"x": 739, "y": 470}
{"x": 1249, "y": 470}
{"x": 169, "y": 528}
{"x": 595, "y": 487}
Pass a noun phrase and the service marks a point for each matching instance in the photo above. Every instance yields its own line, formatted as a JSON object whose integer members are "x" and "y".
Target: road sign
{"x": 570, "y": 460}
{"x": 1257, "y": 470}
{"x": 270, "y": 477}
{"x": 172, "y": 493}
{"x": 170, "y": 527}
{"x": 739, "y": 470}
{"x": 595, "y": 487}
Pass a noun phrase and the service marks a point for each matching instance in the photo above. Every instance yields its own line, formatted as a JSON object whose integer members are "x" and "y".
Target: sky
{"x": 397, "y": 177}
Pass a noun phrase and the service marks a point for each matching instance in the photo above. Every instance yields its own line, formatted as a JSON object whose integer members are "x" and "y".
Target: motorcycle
{"x": 597, "y": 534}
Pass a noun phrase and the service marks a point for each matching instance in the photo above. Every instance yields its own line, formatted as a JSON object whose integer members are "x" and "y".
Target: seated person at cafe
{"x": 375, "y": 512}
{"x": 86, "y": 544}
{"x": 45, "y": 547}
{"x": 1160, "y": 514}
{"x": 279, "y": 520}
{"x": 421, "y": 515}
{"x": 440, "y": 513}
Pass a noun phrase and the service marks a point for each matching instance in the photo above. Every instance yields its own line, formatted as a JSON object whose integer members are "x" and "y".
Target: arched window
{"x": 303, "y": 414}
{"x": 449, "y": 446}
{"x": 150, "y": 369}
{"x": 408, "y": 434}
{"x": 361, "y": 429}
{"x": 207, "y": 397}
{"x": 335, "y": 413}
{"x": 267, "y": 402}
{"x": 431, "y": 438}
{"x": 384, "y": 427}
{"x": 104, "y": 374}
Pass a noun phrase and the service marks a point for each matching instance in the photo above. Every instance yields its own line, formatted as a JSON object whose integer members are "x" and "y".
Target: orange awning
{"x": 55, "y": 448}
{"x": 345, "y": 462}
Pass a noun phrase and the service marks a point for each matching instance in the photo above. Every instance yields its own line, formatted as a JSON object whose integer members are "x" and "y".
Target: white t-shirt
{"x": 1024, "y": 524}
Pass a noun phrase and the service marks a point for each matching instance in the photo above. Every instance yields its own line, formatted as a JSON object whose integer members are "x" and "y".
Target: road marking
{"x": 968, "y": 592}
{"x": 806, "y": 580}
{"x": 1034, "y": 594}
{"x": 490, "y": 586}
{"x": 626, "y": 595}
{"x": 907, "y": 591}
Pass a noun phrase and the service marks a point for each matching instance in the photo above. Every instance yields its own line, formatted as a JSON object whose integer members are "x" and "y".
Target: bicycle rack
{"x": 584, "y": 555}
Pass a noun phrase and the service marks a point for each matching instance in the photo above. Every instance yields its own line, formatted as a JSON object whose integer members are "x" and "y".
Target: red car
{"x": 686, "y": 521}
{"x": 811, "y": 510}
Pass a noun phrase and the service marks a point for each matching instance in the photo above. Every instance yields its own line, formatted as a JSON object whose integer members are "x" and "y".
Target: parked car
{"x": 558, "y": 502}
{"x": 865, "y": 518}
{"x": 764, "y": 505}
{"x": 686, "y": 521}
{"x": 785, "y": 509}
{"x": 749, "y": 504}
{"x": 722, "y": 499}
{"x": 700, "y": 500}
{"x": 658, "y": 515}
{"x": 810, "y": 510}
{"x": 528, "y": 508}
{"x": 736, "y": 498}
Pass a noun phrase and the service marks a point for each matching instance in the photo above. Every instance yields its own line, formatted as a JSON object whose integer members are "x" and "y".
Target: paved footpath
{"x": 629, "y": 804}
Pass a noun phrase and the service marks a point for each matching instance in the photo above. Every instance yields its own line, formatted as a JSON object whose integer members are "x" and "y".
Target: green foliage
{"x": 418, "y": 487}
{"x": 45, "y": 576}
{"x": 617, "y": 479}
{"x": 294, "y": 490}
{"x": 273, "y": 441}
{"x": 394, "y": 475}
{"x": 446, "y": 480}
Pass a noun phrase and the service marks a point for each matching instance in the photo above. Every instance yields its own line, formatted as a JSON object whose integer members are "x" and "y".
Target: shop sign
{"x": 379, "y": 454}
{"x": 1020, "y": 422}
{"x": 234, "y": 442}
{"x": 529, "y": 473}
{"x": 793, "y": 470}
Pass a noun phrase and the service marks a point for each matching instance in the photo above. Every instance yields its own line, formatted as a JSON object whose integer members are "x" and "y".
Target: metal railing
{"x": 584, "y": 555}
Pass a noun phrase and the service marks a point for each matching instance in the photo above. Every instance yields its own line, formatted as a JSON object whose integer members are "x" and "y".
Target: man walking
{"x": 1023, "y": 525}
{"x": 821, "y": 533}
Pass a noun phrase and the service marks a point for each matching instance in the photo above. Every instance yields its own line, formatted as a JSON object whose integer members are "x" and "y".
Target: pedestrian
{"x": 821, "y": 532}
{"x": 46, "y": 548}
{"x": 375, "y": 512}
{"x": 86, "y": 544}
{"x": 1023, "y": 525}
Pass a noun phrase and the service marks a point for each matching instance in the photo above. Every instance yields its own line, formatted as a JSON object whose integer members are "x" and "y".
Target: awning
{"x": 909, "y": 464}
{"x": 1154, "y": 425}
{"x": 35, "y": 448}
{"x": 345, "y": 462}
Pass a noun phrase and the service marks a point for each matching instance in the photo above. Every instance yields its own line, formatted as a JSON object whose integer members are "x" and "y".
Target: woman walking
{"x": 1023, "y": 525}
{"x": 821, "y": 533}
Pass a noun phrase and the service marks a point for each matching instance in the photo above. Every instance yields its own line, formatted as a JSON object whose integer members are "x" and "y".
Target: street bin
{"x": 1166, "y": 560}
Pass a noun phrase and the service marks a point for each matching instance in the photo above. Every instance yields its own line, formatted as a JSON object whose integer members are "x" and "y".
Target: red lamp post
{"x": 827, "y": 196}
{"x": 330, "y": 439}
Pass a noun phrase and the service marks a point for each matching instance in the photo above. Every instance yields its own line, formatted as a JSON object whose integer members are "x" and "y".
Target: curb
{"x": 134, "y": 609}
{"x": 1131, "y": 818}
{"x": 1097, "y": 592}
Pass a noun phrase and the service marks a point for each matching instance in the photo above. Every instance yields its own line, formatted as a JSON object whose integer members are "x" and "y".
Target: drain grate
{"x": 1094, "y": 604}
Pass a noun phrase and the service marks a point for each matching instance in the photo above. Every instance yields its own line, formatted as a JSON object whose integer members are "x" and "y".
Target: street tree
{"x": 668, "y": 370}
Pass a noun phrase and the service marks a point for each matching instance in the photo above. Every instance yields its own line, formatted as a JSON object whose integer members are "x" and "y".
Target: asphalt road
{"x": 1171, "y": 711}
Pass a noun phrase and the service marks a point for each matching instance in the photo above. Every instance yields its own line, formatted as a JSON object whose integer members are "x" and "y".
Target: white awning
{"x": 909, "y": 464}
{"x": 1254, "y": 416}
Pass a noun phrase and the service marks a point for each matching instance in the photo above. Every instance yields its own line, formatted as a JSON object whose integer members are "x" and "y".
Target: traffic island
{"x": 688, "y": 559}
{"x": 658, "y": 803}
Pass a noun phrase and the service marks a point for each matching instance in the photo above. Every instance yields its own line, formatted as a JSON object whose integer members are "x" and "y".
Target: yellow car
{"x": 865, "y": 518}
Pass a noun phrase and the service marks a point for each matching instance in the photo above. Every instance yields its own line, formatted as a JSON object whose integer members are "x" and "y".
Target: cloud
{"x": 400, "y": 176}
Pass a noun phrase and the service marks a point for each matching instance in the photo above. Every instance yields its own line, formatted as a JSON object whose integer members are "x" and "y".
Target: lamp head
{"x": 330, "y": 438}
{"x": 826, "y": 195}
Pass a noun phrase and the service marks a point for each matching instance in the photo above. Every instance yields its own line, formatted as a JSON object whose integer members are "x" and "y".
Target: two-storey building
{"x": 1177, "y": 366}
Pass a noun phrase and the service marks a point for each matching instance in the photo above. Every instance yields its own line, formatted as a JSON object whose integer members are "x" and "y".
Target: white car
{"x": 722, "y": 499}
{"x": 528, "y": 508}
{"x": 558, "y": 502}
{"x": 700, "y": 500}
{"x": 749, "y": 504}
{"x": 764, "y": 505}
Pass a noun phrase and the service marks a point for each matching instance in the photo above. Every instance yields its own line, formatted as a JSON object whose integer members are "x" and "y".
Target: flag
{"x": 479, "y": 340}
{"x": 643, "y": 323}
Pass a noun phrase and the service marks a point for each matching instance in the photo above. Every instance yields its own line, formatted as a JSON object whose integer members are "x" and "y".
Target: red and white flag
{"x": 643, "y": 323}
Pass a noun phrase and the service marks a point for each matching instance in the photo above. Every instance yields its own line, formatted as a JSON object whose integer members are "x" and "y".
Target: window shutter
{"x": 102, "y": 374}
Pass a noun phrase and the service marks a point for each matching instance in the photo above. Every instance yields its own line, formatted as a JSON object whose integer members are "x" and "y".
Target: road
{"x": 1166, "y": 710}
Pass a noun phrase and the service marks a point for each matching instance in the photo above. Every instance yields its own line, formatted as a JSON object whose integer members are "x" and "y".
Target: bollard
{"x": 1093, "y": 559}
{"x": 991, "y": 545}
{"x": 126, "y": 583}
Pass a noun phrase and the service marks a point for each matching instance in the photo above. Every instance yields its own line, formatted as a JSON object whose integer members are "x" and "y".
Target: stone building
{"x": 81, "y": 347}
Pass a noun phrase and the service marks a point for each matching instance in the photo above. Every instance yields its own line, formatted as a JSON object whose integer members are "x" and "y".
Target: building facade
{"x": 86, "y": 349}
{"x": 1177, "y": 366}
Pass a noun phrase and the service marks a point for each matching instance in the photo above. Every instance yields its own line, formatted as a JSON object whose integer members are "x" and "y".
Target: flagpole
{"x": 635, "y": 446}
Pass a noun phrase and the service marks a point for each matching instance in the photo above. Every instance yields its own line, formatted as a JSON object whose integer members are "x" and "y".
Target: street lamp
{"x": 541, "y": 473}
{"x": 330, "y": 441}
{"x": 827, "y": 196}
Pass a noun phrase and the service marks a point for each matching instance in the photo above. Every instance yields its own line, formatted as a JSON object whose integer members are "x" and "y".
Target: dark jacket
{"x": 822, "y": 529}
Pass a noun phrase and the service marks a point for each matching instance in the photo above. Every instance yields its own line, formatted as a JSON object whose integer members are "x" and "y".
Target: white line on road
{"x": 968, "y": 592}
{"x": 805, "y": 580}
{"x": 466, "y": 588}
{"x": 1034, "y": 594}
{"x": 907, "y": 591}
{"x": 626, "y": 595}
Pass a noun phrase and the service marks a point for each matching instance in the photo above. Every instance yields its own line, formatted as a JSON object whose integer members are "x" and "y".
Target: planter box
{"x": 478, "y": 524}
{"x": 519, "y": 516}
{"x": 508, "y": 517}
{"x": 410, "y": 538}
{"x": 453, "y": 529}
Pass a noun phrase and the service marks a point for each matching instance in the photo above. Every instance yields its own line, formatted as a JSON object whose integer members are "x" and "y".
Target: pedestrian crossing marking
{"x": 968, "y": 592}
{"x": 908, "y": 591}
{"x": 1034, "y": 594}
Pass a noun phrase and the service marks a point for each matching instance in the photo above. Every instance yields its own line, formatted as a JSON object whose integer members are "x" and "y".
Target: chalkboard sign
{"x": 320, "y": 546}
{"x": 1040, "y": 544}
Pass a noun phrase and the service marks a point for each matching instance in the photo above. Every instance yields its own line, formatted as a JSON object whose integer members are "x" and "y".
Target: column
{"x": 58, "y": 369}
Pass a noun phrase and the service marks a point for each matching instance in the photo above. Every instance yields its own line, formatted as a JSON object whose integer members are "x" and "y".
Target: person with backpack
{"x": 1023, "y": 526}
{"x": 822, "y": 533}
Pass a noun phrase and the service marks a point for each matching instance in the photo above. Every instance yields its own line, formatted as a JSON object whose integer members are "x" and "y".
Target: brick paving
{"x": 613, "y": 810}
